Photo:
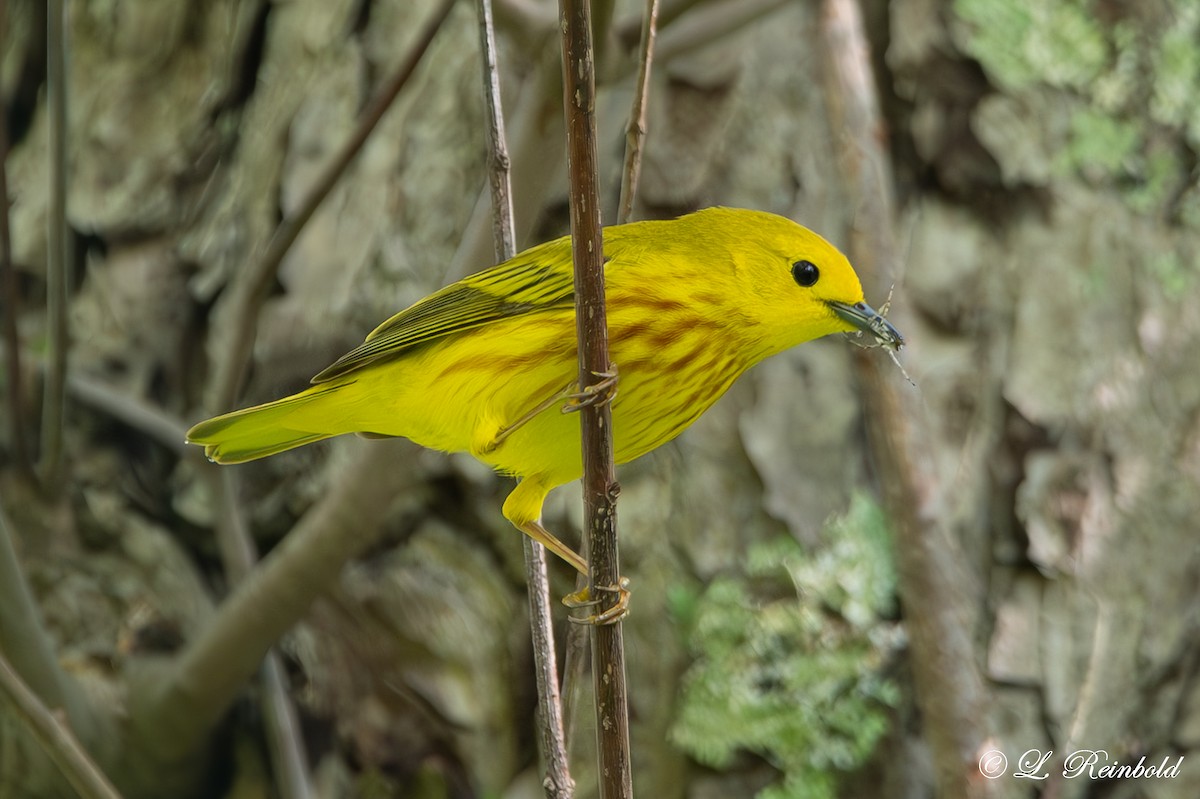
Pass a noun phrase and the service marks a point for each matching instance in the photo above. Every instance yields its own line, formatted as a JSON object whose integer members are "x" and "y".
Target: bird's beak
{"x": 866, "y": 319}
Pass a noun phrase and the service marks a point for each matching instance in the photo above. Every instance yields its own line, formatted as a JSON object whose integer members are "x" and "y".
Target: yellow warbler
{"x": 486, "y": 364}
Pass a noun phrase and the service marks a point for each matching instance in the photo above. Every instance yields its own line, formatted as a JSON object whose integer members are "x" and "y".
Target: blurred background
{"x": 1039, "y": 164}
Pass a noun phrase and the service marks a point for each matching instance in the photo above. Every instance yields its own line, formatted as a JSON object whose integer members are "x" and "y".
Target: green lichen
{"x": 1100, "y": 144}
{"x": 788, "y": 658}
{"x": 1116, "y": 87}
{"x": 1125, "y": 87}
{"x": 1024, "y": 42}
{"x": 1177, "y": 72}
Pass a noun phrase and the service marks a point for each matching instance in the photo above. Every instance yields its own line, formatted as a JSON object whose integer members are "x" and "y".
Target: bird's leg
{"x": 581, "y": 598}
{"x": 595, "y": 394}
{"x": 598, "y": 393}
{"x": 504, "y": 432}
{"x": 534, "y": 530}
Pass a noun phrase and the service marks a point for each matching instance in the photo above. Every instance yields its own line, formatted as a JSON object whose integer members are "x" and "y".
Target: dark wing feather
{"x": 538, "y": 279}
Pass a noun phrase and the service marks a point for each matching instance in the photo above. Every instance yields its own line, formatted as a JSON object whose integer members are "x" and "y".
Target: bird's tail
{"x": 263, "y": 430}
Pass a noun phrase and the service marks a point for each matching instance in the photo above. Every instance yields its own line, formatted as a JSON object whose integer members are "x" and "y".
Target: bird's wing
{"x": 538, "y": 279}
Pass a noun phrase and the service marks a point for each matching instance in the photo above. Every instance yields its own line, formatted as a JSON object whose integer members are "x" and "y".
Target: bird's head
{"x": 797, "y": 285}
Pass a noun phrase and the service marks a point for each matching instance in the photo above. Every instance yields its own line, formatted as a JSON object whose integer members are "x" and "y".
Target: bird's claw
{"x": 598, "y": 393}
{"x": 583, "y": 599}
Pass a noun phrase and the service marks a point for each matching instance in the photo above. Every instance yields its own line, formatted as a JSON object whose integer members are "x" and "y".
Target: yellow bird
{"x": 486, "y": 364}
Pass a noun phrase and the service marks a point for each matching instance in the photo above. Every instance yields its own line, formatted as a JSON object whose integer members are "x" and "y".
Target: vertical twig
{"x": 9, "y": 294}
{"x": 285, "y": 743}
{"x": 504, "y": 237}
{"x": 55, "y": 737}
{"x": 635, "y": 131}
{"x": 599, "y": 481}
{"x": 933, "y": 588}
{"x": 289, "y": 760}
{"x": 252, "y": 291}
{"x": 54, "y": 390}
{"x": 557, "y": 783}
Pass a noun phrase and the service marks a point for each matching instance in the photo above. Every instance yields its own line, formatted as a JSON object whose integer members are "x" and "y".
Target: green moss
{"x": 1024, "y": 42}
{"x": 788, "y": 658}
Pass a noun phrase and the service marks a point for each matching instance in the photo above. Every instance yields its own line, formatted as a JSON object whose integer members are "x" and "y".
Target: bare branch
{"x": 504, "y": 236}
{"x": 251, "y": 291}
{"x": 552, "y": 739}
{"x": 25, "y": 641}
{"x": 635, "y": 131}
{"x": 289, "y": 761}
{"x": 599, "y": 480}
{"x": 55, "y": 737}
{"x": 150, "y": 419}
{"x": 57, "y": 250}
{"x": 9, "y": 294}
{"x": 238, "y": 558}
{"x": 933, "y": 586}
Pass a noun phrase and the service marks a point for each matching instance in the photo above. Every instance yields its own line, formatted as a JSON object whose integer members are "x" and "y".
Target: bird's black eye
{"x": 805, "y": 273}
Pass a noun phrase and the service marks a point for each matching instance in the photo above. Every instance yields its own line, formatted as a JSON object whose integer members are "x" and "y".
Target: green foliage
{"x": 788, "y": 657}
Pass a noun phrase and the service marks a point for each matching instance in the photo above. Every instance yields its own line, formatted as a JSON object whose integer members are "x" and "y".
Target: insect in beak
{"x": 869, "y": 321}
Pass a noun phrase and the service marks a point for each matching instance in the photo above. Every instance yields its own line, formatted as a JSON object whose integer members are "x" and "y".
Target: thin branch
{"x": 253, "y": 290}
{"x": 557, "y": 783}
{"x": 22, "y": 635}
{"x": 135, "y": 412}
{"x": 25, "y": 641}
{"x": 599, "y": 480}
{"x": 933, "y": 586}
{"x": 635, "y": 131}
{"x": 289, "y": 760}
{"x": 239, "y": 555}
{"x": 55, "y": 737}
{"x": 9, "y": 294}
{"x": 54, "y": 393}
{"x": 534, "y": 139}
{"x": 504, "y": 236}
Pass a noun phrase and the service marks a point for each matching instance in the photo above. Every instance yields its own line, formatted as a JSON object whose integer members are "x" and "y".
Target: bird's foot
{"x": 583, "y": 599}
{"x": 599, "y": 393}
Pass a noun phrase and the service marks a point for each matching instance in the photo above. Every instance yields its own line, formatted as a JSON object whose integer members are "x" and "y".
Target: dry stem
{"x": 9, "y": 294}
{"x": 54, "y": 391}
{"x": 599, "y": 481}
{"x": 56, "y": 737}
{"x": 558, "y": 783}
{"x": 250, "y": 293}
{"x": 636, "y": 130}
